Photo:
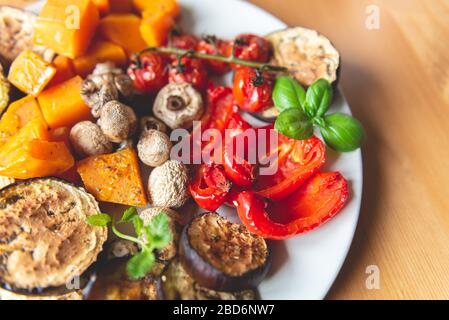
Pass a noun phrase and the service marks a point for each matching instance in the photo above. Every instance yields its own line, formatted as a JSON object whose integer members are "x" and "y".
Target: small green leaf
{"x": 129, "y": 215}
{"x": 318, "y": 98}
{"x": 293, "y": 123}
{"x": 139, "y": 265}
{"x": 158, "y": 232}
{"x": 99, "y": 220}
{"x": 288, "y": 93}
{"x": 138, "y": 225}
{"x": 342, "y": 132}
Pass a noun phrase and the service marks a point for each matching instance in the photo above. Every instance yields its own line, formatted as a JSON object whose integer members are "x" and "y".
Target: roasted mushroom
{"x": 46, "y": 241}
{"x": 88, "y": 140}
{"x": 308, "y": 55}
{"x": 222, "y": 255}
{"x": 120, "y": 248}
{"x": 167, "y": 185}
{"x": 117, "y": 121}
{"x": 5, "y": 89}
{"x": 151, "y": 123}
{"x": 178, "y": 105}
{"x": 177, "y": 284}
{"x": 154, "y": 148}
{"x": 105, "y": 84}
{"x": 176, "y": 224}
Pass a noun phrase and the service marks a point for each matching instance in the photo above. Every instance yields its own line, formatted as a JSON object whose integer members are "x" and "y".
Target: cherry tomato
{"x": 150, "y": 73}
{"x": 189, "y": 70}
{"x": 251, "y": 47}
{"x": 185, "y": 41}
{"x": 213, "y": 45}
{"x": 252, "y": 89}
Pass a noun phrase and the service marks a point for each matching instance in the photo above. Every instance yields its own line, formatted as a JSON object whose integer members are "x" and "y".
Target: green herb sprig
{"x": 157, "y": 235}
{"x": 301, "y": 111}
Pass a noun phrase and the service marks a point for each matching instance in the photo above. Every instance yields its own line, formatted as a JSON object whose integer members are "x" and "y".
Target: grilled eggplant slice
{"x": 178, "y": 285}
{"x": 113, "y": 283}
{"x": 267, "y": 115}
{"x": 5, "y": 90}
{"x": 307, "y": 54}
{"x": 54, "y": 294}
{"x": 224, "y": 256}
{"x": 44, "y": 239}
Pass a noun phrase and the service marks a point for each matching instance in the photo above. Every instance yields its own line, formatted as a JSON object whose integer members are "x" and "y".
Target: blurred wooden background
{"x": 396, "y": 79}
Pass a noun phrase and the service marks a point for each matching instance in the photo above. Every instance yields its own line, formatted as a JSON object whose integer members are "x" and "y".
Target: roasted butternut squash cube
{"x": 63, "y": 106}
{"x": 169, "y": 7}
{"x": 114, "y": 178}
{"x": 123, "y": 30}
{"x": 64, "y": 70}
{"x": 18, "y": 114}
{"x": 155, "y": 27}
{"x": 100, "y": 51}
{"x": 121, "y": 6}
{"x": 67, "y": 26}
{"x": 30, "y": 73}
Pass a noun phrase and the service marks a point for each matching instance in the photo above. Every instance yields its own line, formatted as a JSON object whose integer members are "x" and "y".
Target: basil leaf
{"x": 139, "y": 265}
{"x": 318, "y": 98}
{"x": 129, "y": 214}
{"x": 295, "y": 124}
{"x": 138, "y": 225}
{"x": 158, "y": 232}
{"x": 99, "y": 220}
{"x": 342, "y": 132}
{"x": 288, "y": 93}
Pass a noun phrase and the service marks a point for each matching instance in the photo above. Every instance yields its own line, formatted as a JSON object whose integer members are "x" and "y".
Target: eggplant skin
{"x": 177, "y": 284}
{"x": 51, "y": 295}
{"x": 208, "y": 273}
{"x": 46, "y": 241}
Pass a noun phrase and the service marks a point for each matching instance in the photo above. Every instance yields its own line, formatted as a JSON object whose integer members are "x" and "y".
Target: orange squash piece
{"x": 169, "y": 7}
{"x": 101, "y": 51}
{"x": 30, "y": 73}
{"x": 64, "y": 70}
{"x": 63, "y": 106}
{"x": 123, "y": 30}
{"x": 18, "y": 114}
{"x": 103, "y": 6}
{"x": 67, "y": 26}
{"x": 155, "y": 27}
{"x": 121, "y": 6}
{"x": 114, "y": 178}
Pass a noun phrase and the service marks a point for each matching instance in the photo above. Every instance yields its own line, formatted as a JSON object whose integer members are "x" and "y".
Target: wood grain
{"x": 397, "y": 82}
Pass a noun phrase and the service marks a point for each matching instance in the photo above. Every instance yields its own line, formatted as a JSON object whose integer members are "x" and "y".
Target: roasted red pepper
{"x": 316, "y": 202}
{"x": 297, "y": 161}
{"x": 210, "y": 187}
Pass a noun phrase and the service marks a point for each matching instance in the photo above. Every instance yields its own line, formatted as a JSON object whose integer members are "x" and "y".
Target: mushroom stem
{"x": 216, "y": 57}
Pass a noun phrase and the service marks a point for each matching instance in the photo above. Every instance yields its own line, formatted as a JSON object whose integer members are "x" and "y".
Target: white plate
{"x": 304, "y": 267}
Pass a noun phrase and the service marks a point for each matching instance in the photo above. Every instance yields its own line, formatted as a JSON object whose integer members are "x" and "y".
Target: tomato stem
{"x": 215, "y": 57}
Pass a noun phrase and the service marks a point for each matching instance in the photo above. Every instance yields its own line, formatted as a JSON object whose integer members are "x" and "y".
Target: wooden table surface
{"x": 396, "y": 79}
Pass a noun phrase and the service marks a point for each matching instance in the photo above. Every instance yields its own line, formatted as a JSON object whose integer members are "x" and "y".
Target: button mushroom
{"x": 151, "y": 123}
{"x": 105, "y": 84}
{"x": 121, "y": 248}
{"x": 178, "y": 104}
{"x": 117, "y": 121}
{"x": 154, "y": 148}
{"x": 167, "y": 185}
{"x": 88, "y": 140}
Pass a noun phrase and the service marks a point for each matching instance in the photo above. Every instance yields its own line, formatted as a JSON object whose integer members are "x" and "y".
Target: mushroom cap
{"x": 178, "y": 104}
{"x": 154, "y": 148}
{"x": 88, "y": 140}
{"x": 152, "y": 123}
{"x": 167, "y": 185}
{"x": 117, "y": 121}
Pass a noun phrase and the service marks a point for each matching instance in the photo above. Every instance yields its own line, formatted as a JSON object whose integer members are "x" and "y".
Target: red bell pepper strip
{"x": 316, "y": 202}
{"x": 210, "y": 187}
{"x": 297, "y": 161}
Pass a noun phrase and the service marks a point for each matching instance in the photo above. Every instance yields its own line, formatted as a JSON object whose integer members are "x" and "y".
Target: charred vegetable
{"x": 5, "y": 89}
{"x": 308, "y": 55}
{"x": 224, "y": 256}
{"x": 177, "y": 284}
{"x": 45, "y": 241}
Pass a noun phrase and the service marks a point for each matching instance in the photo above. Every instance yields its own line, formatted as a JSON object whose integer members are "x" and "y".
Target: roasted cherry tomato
{"x": 189, "y": 70}
{"x": 252, "y": 89}
{"x": 214, "y": 46}
{"x": 210, "y": 187}
{"x": 149, "y": 73}
{"x": 296, "y": 162}
{"x": 316, "y": 202}
{"x": 250, "y": 47}
{"x": 184, "y": 41}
